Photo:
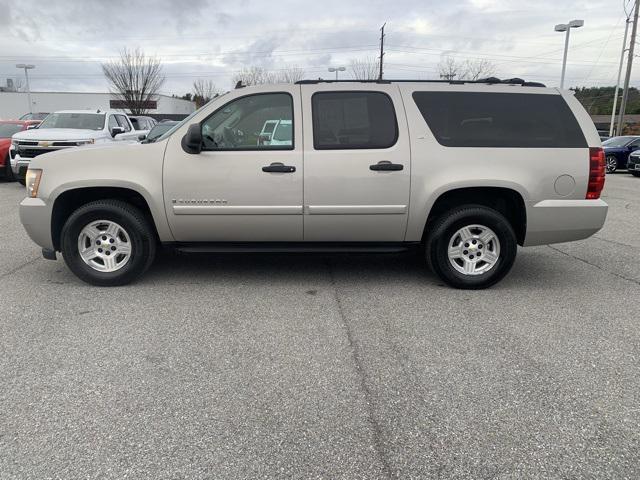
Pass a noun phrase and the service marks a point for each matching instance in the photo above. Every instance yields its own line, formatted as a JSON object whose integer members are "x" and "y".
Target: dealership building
{"x": 15, "y": 104}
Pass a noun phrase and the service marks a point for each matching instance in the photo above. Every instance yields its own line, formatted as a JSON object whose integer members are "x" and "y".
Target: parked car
{"x": 275, "y": 132}
{"x": 157, "y": 131}
{"x": 39, "y": 116}
{"x": 142, "y": 123}
{"x": 7, "y": 129}
{"x": 455, "y": 170}
{"x": 617, "y": 151}
{"x": 65, "y": 129}
{"x": 633, "y": 166}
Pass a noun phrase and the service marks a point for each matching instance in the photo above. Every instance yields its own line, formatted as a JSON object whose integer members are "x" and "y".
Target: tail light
{"x": 596, "y": 173}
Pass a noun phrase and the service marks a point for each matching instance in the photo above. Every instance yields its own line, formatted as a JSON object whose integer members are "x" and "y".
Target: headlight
{"x": 32, "y": 181}
{"x": 14, "y": 142}
{"x": 79, "y": 143}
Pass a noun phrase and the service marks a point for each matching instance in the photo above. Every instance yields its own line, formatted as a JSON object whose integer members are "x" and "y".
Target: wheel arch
{"x": 506, "y": 200}
{"x": 69, "y": 200}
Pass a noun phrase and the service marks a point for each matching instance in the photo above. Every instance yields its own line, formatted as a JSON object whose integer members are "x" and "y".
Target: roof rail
{"x": 486, "y": 81}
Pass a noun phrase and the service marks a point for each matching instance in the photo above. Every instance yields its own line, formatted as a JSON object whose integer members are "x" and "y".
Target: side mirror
{"x": 31, "y": 127}
{"x": 142, "y": 137}
{"x": 192, "y": 141}
{"x": 116, "y": 131}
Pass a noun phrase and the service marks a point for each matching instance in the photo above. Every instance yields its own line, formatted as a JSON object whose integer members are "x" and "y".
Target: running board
{"x": 293, "y": 247}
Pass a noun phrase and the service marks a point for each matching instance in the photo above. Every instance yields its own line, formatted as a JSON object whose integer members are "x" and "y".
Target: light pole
{"x": 26, "y": 74}
{"x": 566, "y": 27}
{"x": 615, "y": 94}
{"x": 337, "y": 69}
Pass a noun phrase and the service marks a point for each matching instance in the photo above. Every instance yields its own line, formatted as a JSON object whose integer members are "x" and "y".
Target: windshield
{"x": 8, "y": 129}
{"x": 617, "y": 141}
{"x": 82, "y": 121}
{"x": 186, "y": 120}
{"x": 34, "y": 116}
{"x": 283, "y": 132}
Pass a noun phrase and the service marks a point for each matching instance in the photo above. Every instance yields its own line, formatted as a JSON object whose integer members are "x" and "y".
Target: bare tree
{"x": 135, "y": 79}
{"x": 258, "y": 75}
{"x": 251, "y": 76}
{"x": 204, "y": 91}
{"x": 291, "y": 74}
{"x": 451, "y": 69}
{"x": 19, "y": 84}
{"x": 364, "y": 68}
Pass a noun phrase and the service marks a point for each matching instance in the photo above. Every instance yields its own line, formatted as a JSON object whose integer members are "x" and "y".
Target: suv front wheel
{"x": 471, "y": 247}
{"x": 108, "y": 243}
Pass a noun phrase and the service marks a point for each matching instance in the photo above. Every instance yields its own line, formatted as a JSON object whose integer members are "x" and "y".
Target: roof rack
{"x": 485, "y": 81}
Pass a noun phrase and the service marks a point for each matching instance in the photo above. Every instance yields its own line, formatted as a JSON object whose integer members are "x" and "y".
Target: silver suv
{"x": 465, "y": 172}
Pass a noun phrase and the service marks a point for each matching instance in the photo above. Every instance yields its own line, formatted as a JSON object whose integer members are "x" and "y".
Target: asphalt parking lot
{"x": 265, "y": 366}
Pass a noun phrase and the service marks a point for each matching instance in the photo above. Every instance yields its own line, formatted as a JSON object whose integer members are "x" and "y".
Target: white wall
{"x": 14, "y": 105}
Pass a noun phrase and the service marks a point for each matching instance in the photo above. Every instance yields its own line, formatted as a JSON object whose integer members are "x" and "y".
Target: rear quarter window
{"x": 507, "y": 120}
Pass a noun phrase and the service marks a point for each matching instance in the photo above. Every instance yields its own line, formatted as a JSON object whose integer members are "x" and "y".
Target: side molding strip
{"x": 357, "y": 209}
{"x": 237, "y": 210}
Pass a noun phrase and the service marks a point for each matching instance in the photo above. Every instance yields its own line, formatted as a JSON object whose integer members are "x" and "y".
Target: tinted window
{"x": 617, "y": 142}
{"x": 238, "y": 125}
{"x": 474, "y": 119}
{"x": 348, "y": 120}
{"x": 8, "y": 129}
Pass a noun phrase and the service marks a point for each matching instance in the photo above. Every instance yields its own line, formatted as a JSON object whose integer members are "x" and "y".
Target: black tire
{"x": 22, "y": 181}
{"x": 131, "y": 219}
{"x": 443, "y": 230}
{"x": 611, "y": 163}
{"x": 8, "y": 173}
{"x": 635, "y": 174}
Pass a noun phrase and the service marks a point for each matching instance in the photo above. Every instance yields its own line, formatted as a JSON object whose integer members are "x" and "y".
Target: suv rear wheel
{"x": 108, "y": 243}
{"x": 471, "y": 247}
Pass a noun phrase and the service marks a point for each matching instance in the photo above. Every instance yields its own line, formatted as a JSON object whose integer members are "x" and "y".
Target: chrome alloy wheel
{"x": 104, "y": 245}
{"x": 611, "y": 164}
{"x": 474, "y": 250}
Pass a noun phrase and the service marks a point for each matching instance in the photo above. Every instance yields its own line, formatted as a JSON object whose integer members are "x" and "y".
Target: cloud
{"x": 67, "y": 39}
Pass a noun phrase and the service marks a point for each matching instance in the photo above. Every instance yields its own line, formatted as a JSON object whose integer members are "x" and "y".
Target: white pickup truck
{"x": 65, "y": 129}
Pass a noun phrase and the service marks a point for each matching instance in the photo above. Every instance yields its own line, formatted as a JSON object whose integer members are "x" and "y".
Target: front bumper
{"x": 557, "y": 221}
{"x": 634, "y": 164}
{"x": 19, "y": 165}
{"x": 35, "y": 216}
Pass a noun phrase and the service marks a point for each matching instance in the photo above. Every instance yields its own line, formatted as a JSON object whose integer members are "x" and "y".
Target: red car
{"x": 7, "y": 129}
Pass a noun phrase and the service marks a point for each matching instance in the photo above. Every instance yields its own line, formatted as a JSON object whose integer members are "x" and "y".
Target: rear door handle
{"x": 386, "y": 166}
{"x": 279, "y": 167}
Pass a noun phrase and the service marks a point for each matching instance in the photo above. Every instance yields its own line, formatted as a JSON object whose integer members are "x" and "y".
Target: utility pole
{"x": 625, "y": 92}
{"x": 615, "y": 95}
{"x": 381, "y": 49}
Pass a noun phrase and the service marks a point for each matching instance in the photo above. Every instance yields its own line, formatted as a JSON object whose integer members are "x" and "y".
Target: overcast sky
{"x": 211, "y": 39}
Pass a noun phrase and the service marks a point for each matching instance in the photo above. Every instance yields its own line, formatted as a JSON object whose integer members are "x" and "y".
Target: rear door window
{"x": 353, "y": 120}
{"x": 507, "y": 120}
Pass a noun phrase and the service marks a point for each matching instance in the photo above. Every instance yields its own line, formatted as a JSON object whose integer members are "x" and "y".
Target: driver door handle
{"x": 279, "y": 167}
{"x": 385, "y": 165}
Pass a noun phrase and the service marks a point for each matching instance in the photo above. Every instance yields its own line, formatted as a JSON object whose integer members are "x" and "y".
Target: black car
{"x": 633, "y": 166}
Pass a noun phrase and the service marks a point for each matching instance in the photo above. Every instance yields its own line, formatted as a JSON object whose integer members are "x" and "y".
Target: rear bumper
{"x": 35, "y": 216}
{"x": 557, "y": 221}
